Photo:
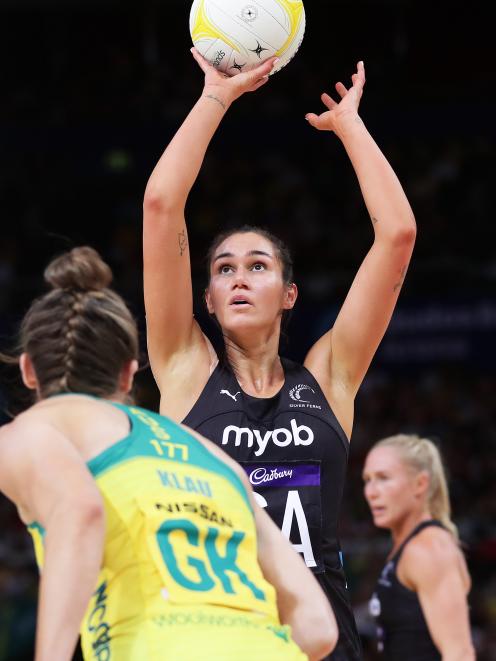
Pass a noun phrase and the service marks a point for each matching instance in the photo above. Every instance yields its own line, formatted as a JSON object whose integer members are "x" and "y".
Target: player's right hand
{"x": 231, "y": 88}
{"x": 342, "y": 114}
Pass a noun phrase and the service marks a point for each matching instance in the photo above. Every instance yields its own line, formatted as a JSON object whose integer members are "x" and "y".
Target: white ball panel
{"x": 255, "y": 18}
{"x": 292, "y": 48}
{"x": 237, "y": 35}
{"x": 216, "y": 52}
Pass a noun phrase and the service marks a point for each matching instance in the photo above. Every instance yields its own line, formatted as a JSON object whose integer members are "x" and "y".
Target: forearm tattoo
{"x": 215, "y": 98}
{"x": 401, "y": 280}
{"x": 183, "y": 242}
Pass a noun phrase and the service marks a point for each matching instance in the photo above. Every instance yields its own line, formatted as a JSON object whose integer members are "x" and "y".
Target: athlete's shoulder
{"x": 432, "y": 552}
{"x": 433, "y": 540}
{"x": 6, "y": 429}
{"x": 18, "y": 429}
{"x": 25, "y": 443}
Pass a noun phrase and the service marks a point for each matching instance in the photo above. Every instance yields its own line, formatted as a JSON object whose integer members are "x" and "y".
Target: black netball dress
{"x": 402, "y": 631}
{"x": 295, "y": 454}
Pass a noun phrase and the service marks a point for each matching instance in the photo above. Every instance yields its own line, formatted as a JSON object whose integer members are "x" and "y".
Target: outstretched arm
{"x": 171, "y": 329}
{"x": 341, "y": 358}
{"x": 43, "y": 474}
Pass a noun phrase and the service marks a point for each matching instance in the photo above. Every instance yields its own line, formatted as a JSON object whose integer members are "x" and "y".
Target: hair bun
{"x": 81, "y": 269}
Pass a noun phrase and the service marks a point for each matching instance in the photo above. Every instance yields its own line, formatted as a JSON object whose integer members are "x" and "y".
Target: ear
{"x": 290, "y": 296}
{"x": 208, "y": 301}
{"x": 127, "y": 376}
{"x": 27, "y": 372}
{"x": 421, "y": 486}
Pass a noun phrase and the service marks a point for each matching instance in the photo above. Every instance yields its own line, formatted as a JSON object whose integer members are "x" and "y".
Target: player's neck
{"x": 406, "y": 526}
{"x": 258, "y": 369}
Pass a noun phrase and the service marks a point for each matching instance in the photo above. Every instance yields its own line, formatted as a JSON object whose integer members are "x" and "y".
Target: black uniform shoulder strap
{"x": 414, "y": 533}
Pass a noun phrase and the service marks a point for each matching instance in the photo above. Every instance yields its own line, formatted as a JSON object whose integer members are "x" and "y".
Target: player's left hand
{"x": 339, "y": 114}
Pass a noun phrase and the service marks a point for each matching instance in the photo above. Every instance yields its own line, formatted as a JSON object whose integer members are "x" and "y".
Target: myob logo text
{"x": 282, "y": 437}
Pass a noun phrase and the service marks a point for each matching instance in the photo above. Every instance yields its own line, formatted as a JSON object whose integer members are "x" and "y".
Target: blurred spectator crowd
{"x": 89, "y": 102}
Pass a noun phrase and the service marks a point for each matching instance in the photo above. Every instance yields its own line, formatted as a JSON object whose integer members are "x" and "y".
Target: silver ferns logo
{"x": 295, "y": 393}
{"x": 299, "y": 394}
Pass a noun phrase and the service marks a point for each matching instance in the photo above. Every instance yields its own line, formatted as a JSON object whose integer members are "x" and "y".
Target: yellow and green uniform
{"x": 180, "y": 577}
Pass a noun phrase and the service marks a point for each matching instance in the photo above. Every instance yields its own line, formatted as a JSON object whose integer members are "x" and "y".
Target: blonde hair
{"x": 421, "y": 454}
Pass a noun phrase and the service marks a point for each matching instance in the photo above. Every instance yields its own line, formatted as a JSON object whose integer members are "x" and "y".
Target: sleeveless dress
{"x": 402, "y": 631}
{"x": 295, "y": 454}
{"x": 180, "y": 577}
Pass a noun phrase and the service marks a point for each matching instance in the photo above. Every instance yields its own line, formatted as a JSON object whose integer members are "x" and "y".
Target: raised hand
{"x": 231, "y": 88}
{"x": 340, "y": 113}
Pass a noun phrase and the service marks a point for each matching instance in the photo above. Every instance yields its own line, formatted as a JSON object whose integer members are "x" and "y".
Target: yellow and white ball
{"x": 238, "y": 35}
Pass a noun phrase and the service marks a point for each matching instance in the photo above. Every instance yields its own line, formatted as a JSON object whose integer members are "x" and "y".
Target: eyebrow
{"x": 251, "y": 253}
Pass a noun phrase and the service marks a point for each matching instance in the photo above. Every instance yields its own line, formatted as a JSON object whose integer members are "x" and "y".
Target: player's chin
{"x": 381, "y": 520}
{"x": 242, "y": 320}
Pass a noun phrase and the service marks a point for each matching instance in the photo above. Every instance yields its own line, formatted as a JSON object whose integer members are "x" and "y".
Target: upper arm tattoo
{"x": 183, "y": 242}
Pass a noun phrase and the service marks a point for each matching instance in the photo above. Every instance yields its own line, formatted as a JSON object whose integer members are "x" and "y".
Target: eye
{"x": 258, "y": 267}
{"x": 225, "y": 268}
